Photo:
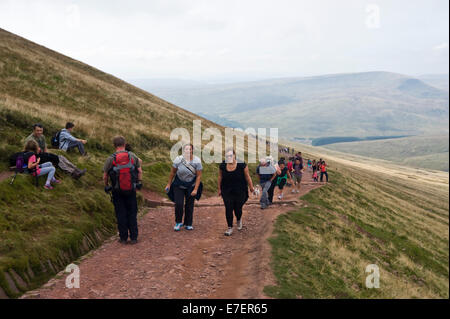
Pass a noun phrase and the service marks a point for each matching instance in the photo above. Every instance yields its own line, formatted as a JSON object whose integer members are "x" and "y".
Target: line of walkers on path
{"x": 123, "y": 171}
{"x": 36, "y": 159}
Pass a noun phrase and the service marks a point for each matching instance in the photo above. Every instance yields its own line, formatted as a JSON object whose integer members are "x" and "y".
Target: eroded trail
{"x": 202, "y": 263}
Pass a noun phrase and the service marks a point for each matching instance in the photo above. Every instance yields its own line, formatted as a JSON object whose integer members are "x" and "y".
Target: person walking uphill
{"x": 122, "y": 169}
{"x": 233, "y": 183}
{"x": 267, "y": 174}
{"x": 67, "y": 141}
{"x": 185, "y": 186}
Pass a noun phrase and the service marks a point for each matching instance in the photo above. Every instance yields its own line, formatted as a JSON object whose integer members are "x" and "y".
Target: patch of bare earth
{"x": 202, "y": 263}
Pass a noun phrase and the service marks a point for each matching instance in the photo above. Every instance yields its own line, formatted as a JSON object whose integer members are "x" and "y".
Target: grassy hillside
{"x": 369, "y": 213}
{"x": 358, "y": 104}
{"x": 419, "y": 151}
{"x": 40, "y": 85}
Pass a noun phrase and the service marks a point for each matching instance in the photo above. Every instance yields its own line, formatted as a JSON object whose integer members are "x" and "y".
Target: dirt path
{"x": 202, "y": 263}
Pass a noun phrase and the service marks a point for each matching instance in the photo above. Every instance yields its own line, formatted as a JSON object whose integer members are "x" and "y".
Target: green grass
{"x": 322, "y": 250}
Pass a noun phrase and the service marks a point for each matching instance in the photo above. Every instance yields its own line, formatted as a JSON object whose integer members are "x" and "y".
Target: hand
{"x": 167, "y": 188}
{"x": 194, "y": 193}
{"x": 38, "y": 160}
{"x": 252, "y": 189}
{"x": 108, "y": 188}
{"x": 83, "y": 141}
{"x": 139, "y": 185}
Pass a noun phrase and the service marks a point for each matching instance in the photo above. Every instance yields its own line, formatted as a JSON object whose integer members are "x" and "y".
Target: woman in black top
{"x": 233, "y": 183}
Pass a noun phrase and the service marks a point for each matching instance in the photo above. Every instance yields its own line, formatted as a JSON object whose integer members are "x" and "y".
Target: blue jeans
{"x": 47, "y": 168}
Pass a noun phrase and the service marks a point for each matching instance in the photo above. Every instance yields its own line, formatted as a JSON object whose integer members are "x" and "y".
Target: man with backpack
{"x": 67, "y": 141}
{"x": 57, "y": 160}
{"x": 122, "y": 169}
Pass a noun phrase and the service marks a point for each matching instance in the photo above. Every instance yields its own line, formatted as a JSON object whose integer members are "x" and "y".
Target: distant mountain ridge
{"x": 350, "y": 104}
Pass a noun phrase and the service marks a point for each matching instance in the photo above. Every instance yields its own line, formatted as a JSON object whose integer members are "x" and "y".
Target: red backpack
{"x": 123, "y": 173}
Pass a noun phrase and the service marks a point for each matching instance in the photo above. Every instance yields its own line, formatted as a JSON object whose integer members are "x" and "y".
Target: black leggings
{"x": 233, "y": 203}
{"x": 184, "y": 205}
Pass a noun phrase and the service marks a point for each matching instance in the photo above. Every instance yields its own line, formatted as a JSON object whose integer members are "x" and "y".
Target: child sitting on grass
{"x": 40, "y": 170}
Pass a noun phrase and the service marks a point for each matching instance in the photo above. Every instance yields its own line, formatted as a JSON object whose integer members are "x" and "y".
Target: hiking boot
{"x": 239, "y": 224}
{"x": 133, "y": 242}
{"x": 229, "y": 231}
{"x": 122, "y": 241}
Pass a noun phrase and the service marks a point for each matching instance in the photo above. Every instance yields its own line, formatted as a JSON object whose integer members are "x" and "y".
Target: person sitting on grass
{"x": 40, "y": 169}
{"x": 57, "y": 160}
{"x": 67, "y": 141}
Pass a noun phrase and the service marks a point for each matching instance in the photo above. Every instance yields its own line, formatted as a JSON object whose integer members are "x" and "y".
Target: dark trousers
{"x": 184, "y": 205}
{"x": 76, "y": 144}
{"x": 233, "y": 204}
{"x": 126, "y": 214}
{"x": 272, "y": 189}
{"x": 48, "y": 157}
{"x": 321, "y": 176}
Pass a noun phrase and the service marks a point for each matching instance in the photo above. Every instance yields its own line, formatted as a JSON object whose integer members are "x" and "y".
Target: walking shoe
{"x": 48, "y": 186}
{"x": 56, "y": 181}
{"x": 177, "y": 226}
{"x": 239, "y": 224}
{"x": 133, "y": 242}
{"x": 189, "y": 227}
{"x": 229, "y": 231}
{"x": 122, "y": 241}
{"x": 293, "y": 191}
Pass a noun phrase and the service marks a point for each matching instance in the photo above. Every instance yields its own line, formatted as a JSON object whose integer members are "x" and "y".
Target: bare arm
{"x": 219, "y": 183}
{"x": 197, "y": 183}
{"x": 105, "y": 178}
{"x": 248, "y": 179}
{"x": 173, "y": 171}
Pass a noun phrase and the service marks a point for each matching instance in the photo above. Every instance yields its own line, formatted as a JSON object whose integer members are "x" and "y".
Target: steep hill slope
{"x": 43, "y": 231}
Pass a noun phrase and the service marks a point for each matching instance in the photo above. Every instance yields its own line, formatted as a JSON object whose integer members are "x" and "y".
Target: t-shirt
{"x": 298, "y": 169}
{"x": 40, "y": 140}
{"x": 323, "y": 167}
{"x": 289, "y": 166}
{"x": 283, "y": 172}
{"x": 109, "y": 161}
{"x": 234, "y": 182}
{"x": 32, "y": 160}
{"x": 184, "y": 173}
{"x": 265, "y": 172}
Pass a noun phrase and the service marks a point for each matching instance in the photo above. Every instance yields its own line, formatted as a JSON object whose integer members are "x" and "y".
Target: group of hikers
{"x": 36, "y": 158}
{"x": 122, "y": 176}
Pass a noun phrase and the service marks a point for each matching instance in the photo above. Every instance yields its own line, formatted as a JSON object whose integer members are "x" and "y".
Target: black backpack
{"x": 55, "y": 139}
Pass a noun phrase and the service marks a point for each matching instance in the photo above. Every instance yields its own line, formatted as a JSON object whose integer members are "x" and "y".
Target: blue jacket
{"x": 65, "y": 138}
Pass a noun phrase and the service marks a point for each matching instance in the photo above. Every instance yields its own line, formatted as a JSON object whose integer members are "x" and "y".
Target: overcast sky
{"x": 209, "y": 39}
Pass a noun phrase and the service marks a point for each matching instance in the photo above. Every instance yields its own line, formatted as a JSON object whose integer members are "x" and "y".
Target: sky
{"x": 239, "y": 39}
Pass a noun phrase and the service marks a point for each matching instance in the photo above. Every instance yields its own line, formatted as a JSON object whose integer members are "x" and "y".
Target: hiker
{"x": 266, "y": 173}
{"x": 67, "y": 141}
{"x": 233, "y": 183}
{"x": 121, "y": 168}
{"x": 323, "y": 171}
{"x": 38, "y": 169}
{"x": 297, "y": 174}
{"x": 57, "y": 160}
{"x": 309, "y": 164}
{"x": 185, "y": 186}
{"x": 282, "y": 177}
{"x": 315, "y": 176}
{"x": 314, "y": 167}
{"x": 271, "y": 190}
{"x": 129, "y": 148}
